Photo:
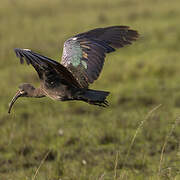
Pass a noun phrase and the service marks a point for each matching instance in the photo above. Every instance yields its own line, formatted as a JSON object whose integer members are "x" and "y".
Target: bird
{"x": 81, "y": 64}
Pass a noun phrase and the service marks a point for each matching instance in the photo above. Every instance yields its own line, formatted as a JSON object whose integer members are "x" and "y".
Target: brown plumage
{"x": 82, "y": 61}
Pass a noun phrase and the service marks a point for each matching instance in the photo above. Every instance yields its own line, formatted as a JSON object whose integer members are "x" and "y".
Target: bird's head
{"x": 25, "y": 90}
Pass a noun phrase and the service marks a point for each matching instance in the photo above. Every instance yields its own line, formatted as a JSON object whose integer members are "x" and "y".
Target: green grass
{"x": 49, "y": 140}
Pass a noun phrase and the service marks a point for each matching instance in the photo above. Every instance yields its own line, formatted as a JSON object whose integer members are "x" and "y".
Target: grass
{"x": 132, "y": 139}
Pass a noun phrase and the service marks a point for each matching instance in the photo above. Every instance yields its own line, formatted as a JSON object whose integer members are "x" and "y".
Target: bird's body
{"x": 82, "y": 61}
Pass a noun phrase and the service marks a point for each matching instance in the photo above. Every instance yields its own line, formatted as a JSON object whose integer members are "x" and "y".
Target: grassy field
{"x": 137, "y": 137}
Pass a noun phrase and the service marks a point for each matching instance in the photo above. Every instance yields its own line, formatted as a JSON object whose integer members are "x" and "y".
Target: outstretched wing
{"x": 49, "y": 71}
{"x": 84, "y": 53}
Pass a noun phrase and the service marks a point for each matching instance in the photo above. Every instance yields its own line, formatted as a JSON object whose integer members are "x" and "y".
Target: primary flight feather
{"x": 82, "y": 61}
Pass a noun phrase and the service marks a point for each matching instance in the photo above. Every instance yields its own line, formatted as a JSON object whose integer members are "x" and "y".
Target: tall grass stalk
{"x": 115, "y": 167}
{"x": 134, "y": 137}
{"x": 165, "y": 144}
{"x": 41, "y": 163}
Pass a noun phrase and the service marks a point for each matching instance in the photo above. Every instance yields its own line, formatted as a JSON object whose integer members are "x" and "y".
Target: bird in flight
{"x": 82, "y": 61}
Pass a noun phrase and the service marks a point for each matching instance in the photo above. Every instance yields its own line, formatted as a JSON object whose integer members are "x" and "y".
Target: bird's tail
{"x": 94, "y": 97}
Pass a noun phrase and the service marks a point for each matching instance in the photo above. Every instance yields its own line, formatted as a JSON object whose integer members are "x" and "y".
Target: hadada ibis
{"x": 82, "y": 61}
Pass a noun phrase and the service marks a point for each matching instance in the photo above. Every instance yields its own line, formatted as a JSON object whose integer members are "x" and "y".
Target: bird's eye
{"x": 22, "y": 91}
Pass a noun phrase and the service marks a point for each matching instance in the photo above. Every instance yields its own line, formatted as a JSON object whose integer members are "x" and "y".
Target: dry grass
{"x": 174, "y": 125}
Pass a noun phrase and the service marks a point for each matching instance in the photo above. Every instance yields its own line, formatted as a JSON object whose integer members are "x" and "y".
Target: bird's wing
{"x": 84, "y": 53}
{"x": 49, "y": 71}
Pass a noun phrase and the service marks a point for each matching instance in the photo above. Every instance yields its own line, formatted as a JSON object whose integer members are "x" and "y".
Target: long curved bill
{"x": 17, "y": 95}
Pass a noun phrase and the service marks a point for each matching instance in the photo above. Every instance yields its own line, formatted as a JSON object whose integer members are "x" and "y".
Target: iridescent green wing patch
{"x": 72, "y": 53}
{"x": 84, "y": 64}
{"x": 84, "y": 58}
{"x": 84, "y": 54}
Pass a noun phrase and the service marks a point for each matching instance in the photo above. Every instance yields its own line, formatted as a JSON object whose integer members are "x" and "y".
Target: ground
{"x": 136, "y": 137}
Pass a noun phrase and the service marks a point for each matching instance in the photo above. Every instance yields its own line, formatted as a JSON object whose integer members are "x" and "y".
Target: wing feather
{"x": 84, "y": 54}
{"x": 49, "y": 71}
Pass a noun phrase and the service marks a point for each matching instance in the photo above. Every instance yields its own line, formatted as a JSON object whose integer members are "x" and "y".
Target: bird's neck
{"x": 38, "y": 93}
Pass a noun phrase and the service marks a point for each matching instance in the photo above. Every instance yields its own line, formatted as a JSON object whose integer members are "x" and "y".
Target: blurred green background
{"x": 49, "y": 140}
